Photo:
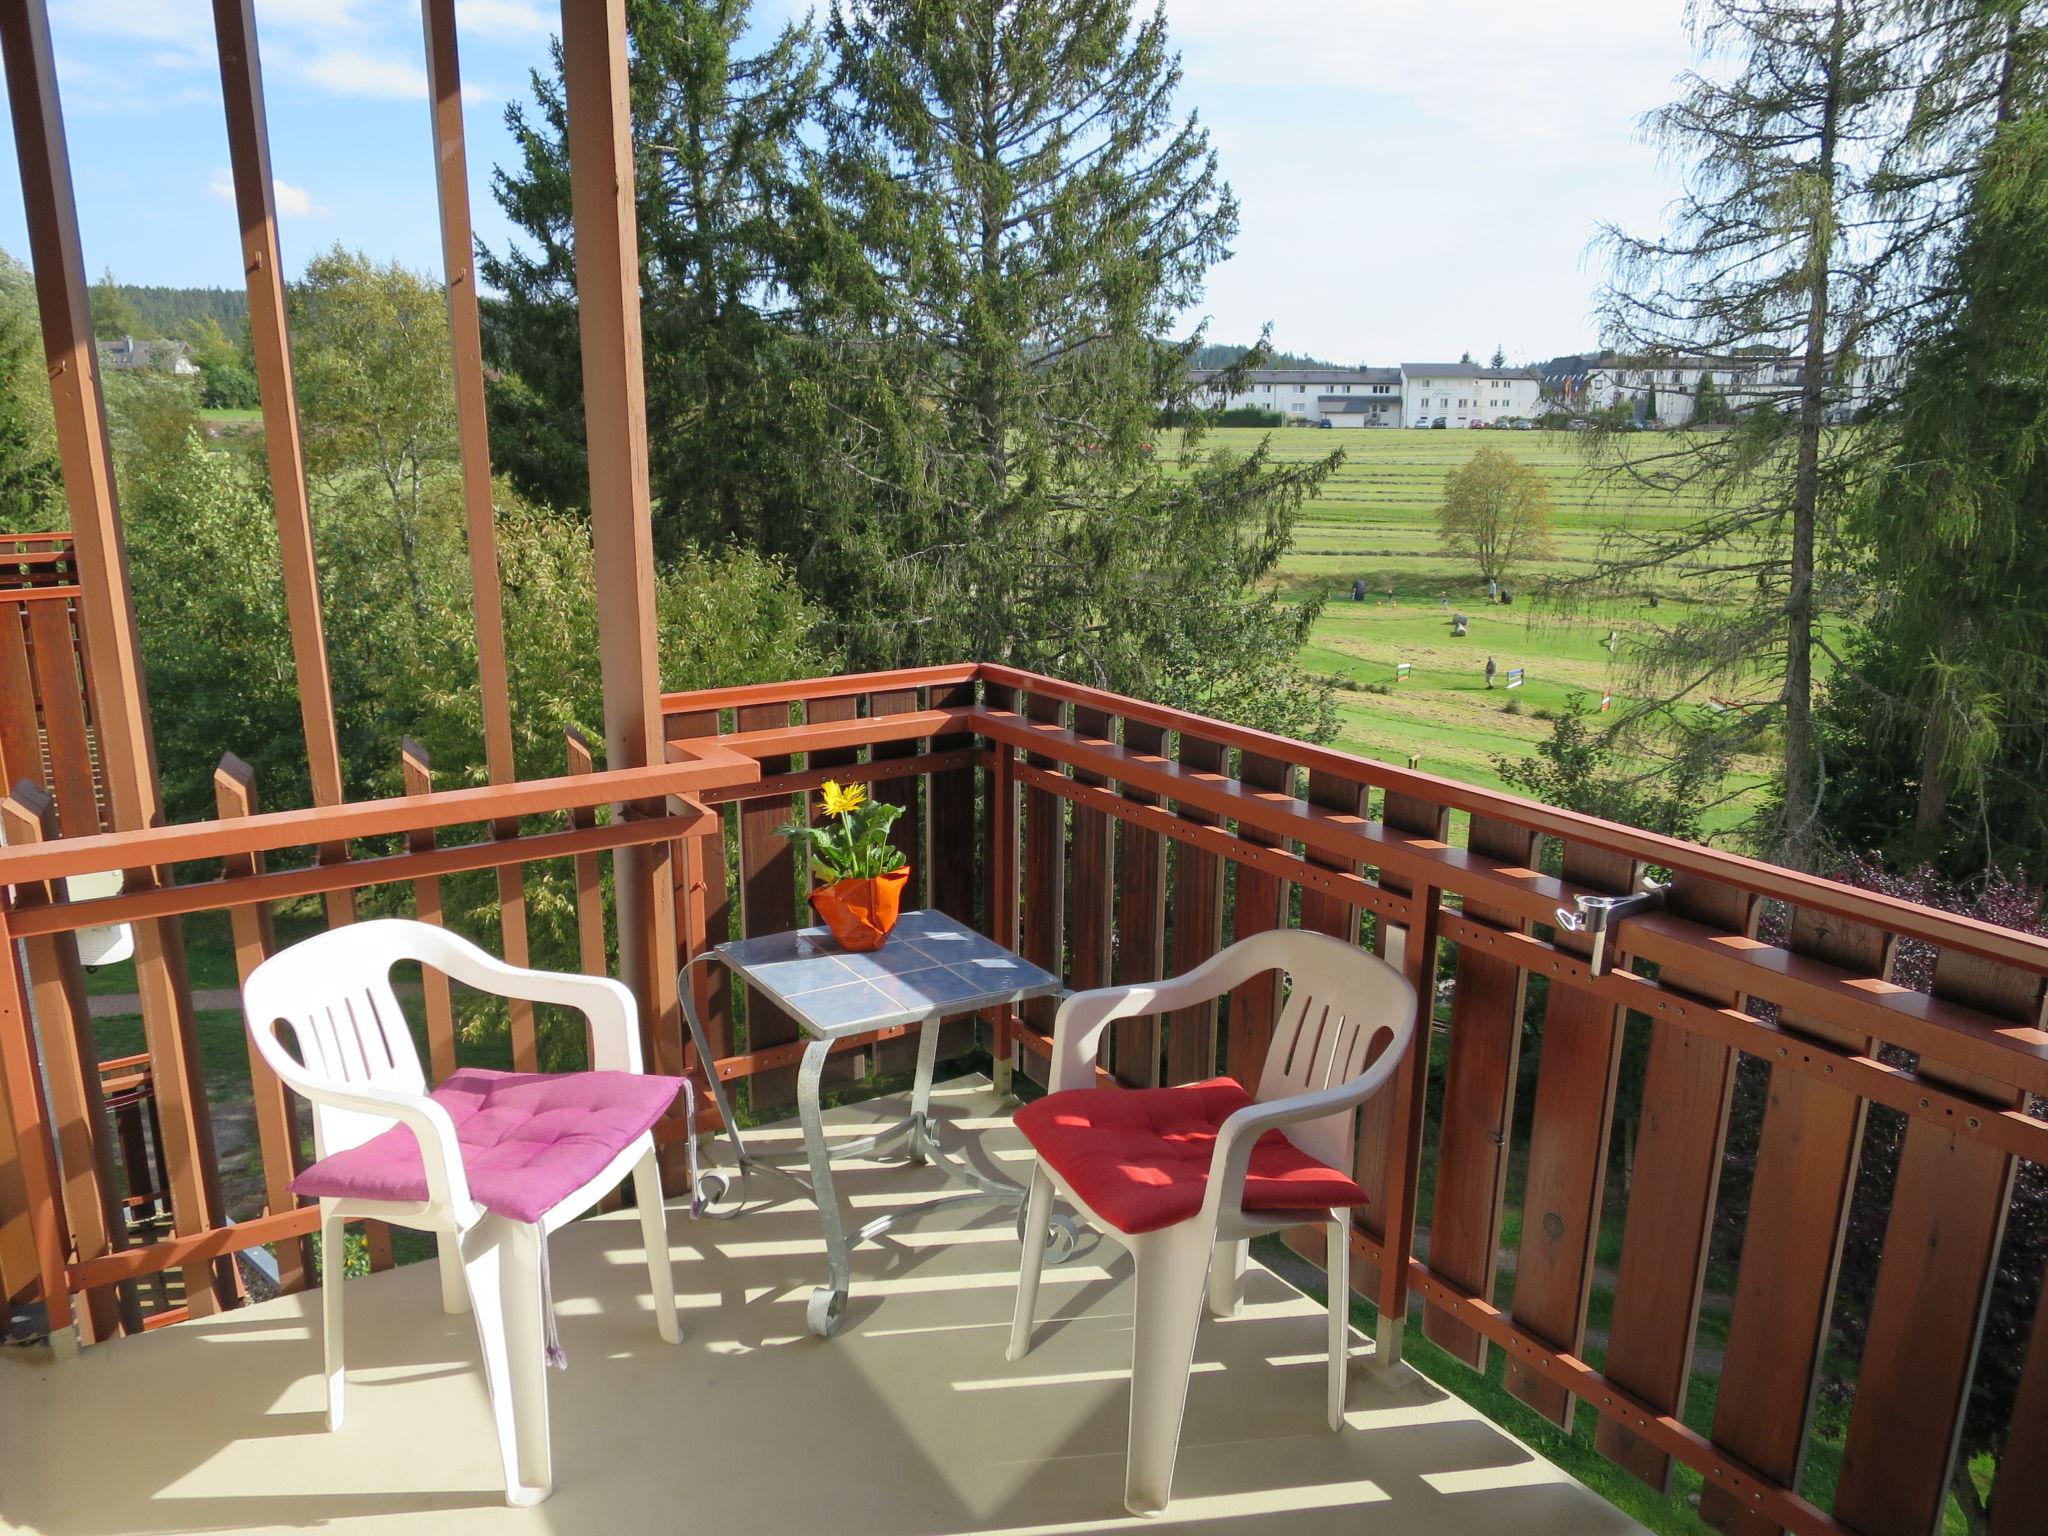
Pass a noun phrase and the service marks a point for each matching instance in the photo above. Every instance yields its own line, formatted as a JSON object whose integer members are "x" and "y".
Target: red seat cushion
{"x": 1139, "y": 1157}
{"x": 528, "y": 1139}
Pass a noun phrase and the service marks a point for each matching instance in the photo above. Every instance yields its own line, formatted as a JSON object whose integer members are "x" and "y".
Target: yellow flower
{"x": 841, "y": 799}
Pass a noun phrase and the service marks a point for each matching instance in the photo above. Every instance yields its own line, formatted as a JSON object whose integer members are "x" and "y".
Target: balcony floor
{"x": 910, "y": 1422}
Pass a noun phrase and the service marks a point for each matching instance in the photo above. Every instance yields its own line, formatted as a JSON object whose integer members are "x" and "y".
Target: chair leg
{"x": 654, "y": 1235}
{"x": 454, "y": 1289}
{"x": 1337, "y": 1254}
{"x": 333, "y": 1263}
{"x": 1173, "y": 1267}
{"x": 1226, "y": 1277}
{"x": 1037, "y": 1225}
{"x": 501, "y": 1261}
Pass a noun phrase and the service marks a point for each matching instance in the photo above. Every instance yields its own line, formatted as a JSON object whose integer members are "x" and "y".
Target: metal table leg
{"x": 827, "y": 1307}
{"x": 707, "y": 1189}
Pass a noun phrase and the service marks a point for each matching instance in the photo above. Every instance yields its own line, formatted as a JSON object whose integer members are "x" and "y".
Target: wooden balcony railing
{"x": 1113, "y": 839}
{"x": 32, "y": 560}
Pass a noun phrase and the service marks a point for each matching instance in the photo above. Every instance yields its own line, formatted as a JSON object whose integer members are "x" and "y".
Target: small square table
{"x": 931, "y": 968}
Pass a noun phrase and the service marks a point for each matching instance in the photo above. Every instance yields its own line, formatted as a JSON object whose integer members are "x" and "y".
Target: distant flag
{"x": 1514, "y": 677}
{"x": 1606, "y": 702}
{"x": 1401, "y": 671}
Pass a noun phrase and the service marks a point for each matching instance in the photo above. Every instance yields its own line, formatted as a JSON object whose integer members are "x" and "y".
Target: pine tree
{"x": 30, "y": 482}
{"x": 730, "y": 237}
{"x": 1500, "y": 357}
{"x": 114, "y": 314}
{"x": 1037, "y": 217}
{"x": 1803, "y": 234}
{"x": 1941, "y": 719}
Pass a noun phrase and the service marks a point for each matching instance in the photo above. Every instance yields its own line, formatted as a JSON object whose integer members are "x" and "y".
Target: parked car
{"x": 1437, "y": 425}
{"x": 1322, "y": 421}
{"x": 1476, "y": 425}
{"x": 1525, "y": 426}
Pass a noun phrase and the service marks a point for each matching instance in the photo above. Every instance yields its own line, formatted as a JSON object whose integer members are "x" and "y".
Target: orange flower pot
{"x": 860, "y": 913}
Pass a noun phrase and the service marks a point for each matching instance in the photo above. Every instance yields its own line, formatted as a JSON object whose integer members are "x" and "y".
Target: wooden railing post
{"x": 417, "y": 771}
{"x": 241, "y": 84}
{"x": 35, "y": 1146}
{"x": 234, "y": 796}
{"x": 1409, "y": 1092}
{"x": 590, "y": 950}
{"x": 480, "y": 521}
{"x": 1480, "y": 1075}
{"x": 598, "y": 109}
{"x": 1002, "y": 885}
{"x": 86, "y": 1154}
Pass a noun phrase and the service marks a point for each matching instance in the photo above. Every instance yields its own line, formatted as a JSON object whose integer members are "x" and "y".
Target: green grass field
{"x": 1376, "y": 521}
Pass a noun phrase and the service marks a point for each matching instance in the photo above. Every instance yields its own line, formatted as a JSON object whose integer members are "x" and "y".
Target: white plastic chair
{"x": 358, "y": 1066}
{"x": 1319, "y": 1069}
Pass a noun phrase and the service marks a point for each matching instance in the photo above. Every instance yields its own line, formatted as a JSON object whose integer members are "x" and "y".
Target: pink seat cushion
{"x": 528, "y": 1139}
{"x": 1139, "y": 1157}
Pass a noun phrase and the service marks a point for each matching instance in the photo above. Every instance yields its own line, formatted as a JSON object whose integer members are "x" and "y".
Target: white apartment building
{"x": 1414, "y": 394}
{"x": 1665, "y": 389}
{"x": 1344, "y": 397}
{"x": 1460, "y": 394}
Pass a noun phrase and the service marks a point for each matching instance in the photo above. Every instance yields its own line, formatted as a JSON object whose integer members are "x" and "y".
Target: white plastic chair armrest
{"x": 431, "y": 1127}
{"x": 1240, "y": 1133}
{"x": 609, "y": 1008}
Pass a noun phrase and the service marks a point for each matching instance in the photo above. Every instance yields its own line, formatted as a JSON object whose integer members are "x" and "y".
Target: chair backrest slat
{"x": 1340, "y": 1002}
{"x": 334, "y": 992}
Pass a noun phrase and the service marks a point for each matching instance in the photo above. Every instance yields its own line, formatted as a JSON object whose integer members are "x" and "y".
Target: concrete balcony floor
{"x": 910, "y": 1423}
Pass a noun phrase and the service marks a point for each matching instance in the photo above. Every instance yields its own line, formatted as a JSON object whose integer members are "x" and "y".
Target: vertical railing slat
{"x": 1259, "y": 904}
{"x": 1573, "y": 1119}
{"x": 767, "y": 903}
{"x": 1197, "y": 922}
{"x": 2021, "y": 1492}
{"x": 35, "y": 1146}
{"x": 1949, "y": 1206}
{"x": 234, "y": 795}
{"x": 1676, "y": 1172}
{"x": 590, "y": 948}
{"x": 1485, "y": 1048}
{"x": 21, "y": 748}
{"x": 55, "y": 660}
{"x": 950, "y": 881}
{"x": 704, "y": 900}
{"x": 418, "y": 773}
{"x": 845, "y": 1066}
{"x": 1044, "y": 887}
{"x": 1091, "y": 874}
{"x": 1804, "y": 1176}
{"x": 1134, "y": 1044}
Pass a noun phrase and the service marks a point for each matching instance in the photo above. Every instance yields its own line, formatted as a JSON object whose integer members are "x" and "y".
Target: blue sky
{"x": 1416, "y": 181}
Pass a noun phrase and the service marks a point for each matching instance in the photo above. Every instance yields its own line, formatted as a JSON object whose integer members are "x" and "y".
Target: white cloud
{"x": 292, "y": 202}
{"x": 1529, "y": 66}
{"x": 502, "y": 18}
{"x": 348, "y": 73}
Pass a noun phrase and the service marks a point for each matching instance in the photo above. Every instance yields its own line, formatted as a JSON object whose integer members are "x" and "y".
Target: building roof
{"x": 1311, "y": 375}
{"x": 144, "y": 352}
{"x": 1466, "y": 371}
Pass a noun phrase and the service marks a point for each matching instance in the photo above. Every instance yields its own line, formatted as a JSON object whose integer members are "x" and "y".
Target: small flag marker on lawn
{"x": 1401, "y": 669}
{"x": 1606, "y": 702}
{"x": 1514, "y": 677}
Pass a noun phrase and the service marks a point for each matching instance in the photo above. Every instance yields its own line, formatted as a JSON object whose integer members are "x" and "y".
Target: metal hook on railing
{"x": 1595, "y": 913}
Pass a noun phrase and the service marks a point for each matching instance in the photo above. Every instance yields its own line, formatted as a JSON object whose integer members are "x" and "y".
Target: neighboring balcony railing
{"x": 1112, "y": 839}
